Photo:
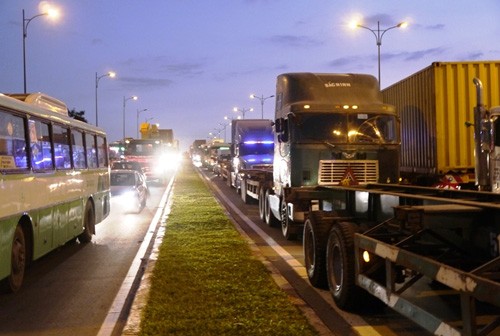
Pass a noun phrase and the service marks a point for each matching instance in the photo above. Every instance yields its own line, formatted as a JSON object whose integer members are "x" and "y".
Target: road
{"x": 287, "y": 257}
{"x": 70, "y": 291}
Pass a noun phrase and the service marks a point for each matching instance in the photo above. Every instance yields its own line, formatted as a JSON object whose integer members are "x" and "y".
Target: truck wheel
{"x": 340, "y": 266}
{"x": 262, "y": 205}
{"x": 286, "y": 224}
{"x": 243, "y": 192}
{"x": 18, "y": 262}
{"x": 269, "y": 216}
{"x": 314, "y": 244}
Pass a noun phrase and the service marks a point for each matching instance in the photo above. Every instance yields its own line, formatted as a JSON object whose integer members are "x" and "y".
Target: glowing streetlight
{"x": 52, "y": 13}
{"x": 379, "y": 33}
{"x": 242, "y": 110}
{"x": 262, "y": 100}
{"x": 110, "y": 74}
{"x": 124, "y": 102}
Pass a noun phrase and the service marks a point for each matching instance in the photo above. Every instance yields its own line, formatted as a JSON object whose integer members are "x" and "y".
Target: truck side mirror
{"x": 278, "y": 125}
{"x": 281, "y": 127}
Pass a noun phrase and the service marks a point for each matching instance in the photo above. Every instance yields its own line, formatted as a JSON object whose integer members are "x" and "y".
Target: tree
{"x": 77, "y": 115}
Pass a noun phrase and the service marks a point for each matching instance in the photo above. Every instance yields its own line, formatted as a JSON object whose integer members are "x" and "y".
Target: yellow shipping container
{"x": 434, "y": 105}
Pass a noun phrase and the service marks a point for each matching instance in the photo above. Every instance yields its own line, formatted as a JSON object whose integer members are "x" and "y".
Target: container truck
{"x": 252, "y": 145}
{"x": 335, "y": 173}
{"x": 437, "y": 147}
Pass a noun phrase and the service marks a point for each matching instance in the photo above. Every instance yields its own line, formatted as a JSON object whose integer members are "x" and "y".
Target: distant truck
{"x": 434, "y": 106}
{"x": 252, "y": 149}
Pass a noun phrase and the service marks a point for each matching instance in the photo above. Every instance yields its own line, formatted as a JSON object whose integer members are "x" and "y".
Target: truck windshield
{"x": 257, "y": 148}
{"x": 142, "y": 148}
{"x": 347, "y": 128}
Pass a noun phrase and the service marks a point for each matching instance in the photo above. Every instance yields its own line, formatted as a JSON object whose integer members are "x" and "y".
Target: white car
{"x": 129, "y": 189}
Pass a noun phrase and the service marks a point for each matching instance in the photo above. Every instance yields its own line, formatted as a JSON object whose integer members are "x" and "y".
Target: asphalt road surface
{"x": 70, "y": 291}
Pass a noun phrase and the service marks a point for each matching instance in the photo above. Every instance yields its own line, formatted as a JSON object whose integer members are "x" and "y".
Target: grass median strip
{"x": 206, "y": 280}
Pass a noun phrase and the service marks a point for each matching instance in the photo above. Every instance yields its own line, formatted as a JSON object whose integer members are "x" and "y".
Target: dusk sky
{"x": 190, "y": 62}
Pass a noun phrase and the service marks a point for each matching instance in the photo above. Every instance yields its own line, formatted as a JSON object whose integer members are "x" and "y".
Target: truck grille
{"x": 332, "y": 172}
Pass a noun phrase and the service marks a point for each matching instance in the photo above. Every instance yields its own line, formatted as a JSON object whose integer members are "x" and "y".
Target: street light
{"x": 379, "y": 33}
{"x": 52, "y": 13}
{"x": 124, "y": 101}
{"x": 224, "y": 125}
{"x": 139, "y": 112}
{"x": 242, "y": 110}
{"x": 110, "y": 74}
{"x": 262, "y": 99}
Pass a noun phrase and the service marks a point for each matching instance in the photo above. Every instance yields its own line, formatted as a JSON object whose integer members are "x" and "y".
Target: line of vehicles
{"x": 390, "y": 190}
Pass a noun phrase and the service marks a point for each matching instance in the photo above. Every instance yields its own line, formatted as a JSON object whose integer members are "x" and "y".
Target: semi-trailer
{"x": 335, "y": 180}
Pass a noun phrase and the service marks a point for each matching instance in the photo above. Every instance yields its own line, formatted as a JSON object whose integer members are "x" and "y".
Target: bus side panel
{"x": 7, "y": 228}
{"x": 75, "y": 218}
{"x": 61, "y": 224}
{"x": 43, "y": 232}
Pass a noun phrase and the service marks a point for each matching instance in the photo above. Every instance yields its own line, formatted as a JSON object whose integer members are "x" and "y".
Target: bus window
{"x": 41, "y": 149}
{"x": 61, "y": 147}
{"x": 102, "y": 152}
{"x": 78, "y": 149}
{"x": 91, "y": 151}
{"x": 12, "y": 142}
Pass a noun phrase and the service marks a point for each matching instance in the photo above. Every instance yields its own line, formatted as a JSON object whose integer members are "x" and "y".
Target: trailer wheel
{"x": 269, "y": 216}
{"x": 286, "y": 224}
{"x": 314, "y": 244}
{"x": 340, "y": 266}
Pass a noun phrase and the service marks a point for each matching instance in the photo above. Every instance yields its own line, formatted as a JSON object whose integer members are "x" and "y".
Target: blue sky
{"x": 190, "y": 62}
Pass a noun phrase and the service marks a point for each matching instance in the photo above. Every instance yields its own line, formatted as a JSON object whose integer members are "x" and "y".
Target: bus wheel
{"x": 314, "y": 245}
{"x": 269, "y": 216}
{"x": 88, "y": 224}
{"x": 340, "y": 266}
{"x": 286, "y": 224}
{"x": 18, "y": 261}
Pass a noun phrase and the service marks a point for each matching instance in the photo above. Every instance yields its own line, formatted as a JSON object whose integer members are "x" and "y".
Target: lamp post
{"x": 262, "y": 100}
{"x": 379, "y": 33}
{"x": 124, "y": 102}
{"x": 110, "y": 74}
{"x": 51, "y": 12}
{"x": 137, "y": 123}
{"x": 224, "y": 126}
{"x": 242, "y": 110}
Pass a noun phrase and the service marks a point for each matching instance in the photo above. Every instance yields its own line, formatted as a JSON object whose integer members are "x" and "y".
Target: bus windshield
{"x": 347, "y": 128}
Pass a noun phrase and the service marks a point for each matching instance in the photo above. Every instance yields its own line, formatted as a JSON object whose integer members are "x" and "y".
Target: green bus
{"x": 54, "y": 181}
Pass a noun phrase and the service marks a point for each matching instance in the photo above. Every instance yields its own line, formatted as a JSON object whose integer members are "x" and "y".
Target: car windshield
{"x": 122, "y": 179}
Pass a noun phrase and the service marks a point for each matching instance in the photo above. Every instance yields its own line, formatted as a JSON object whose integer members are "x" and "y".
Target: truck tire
{"x": 243, "y": 192}
{"x": 262, "y": 204}
{"x": 315, "y": 237}
{"x": 287, "y": 227}
{"x": 340, "y": 266}
{"x": 270, "y": 220}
